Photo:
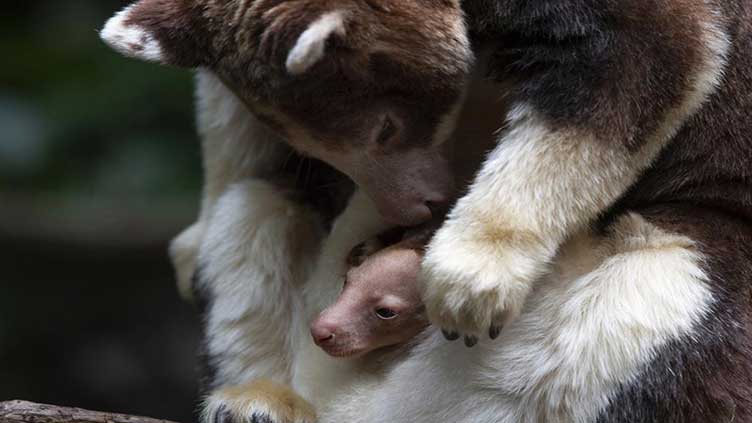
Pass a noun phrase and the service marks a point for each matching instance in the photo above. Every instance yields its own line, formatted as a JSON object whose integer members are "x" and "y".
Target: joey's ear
{"x": 162, "y": 31}
{"x": 311, "y": 45}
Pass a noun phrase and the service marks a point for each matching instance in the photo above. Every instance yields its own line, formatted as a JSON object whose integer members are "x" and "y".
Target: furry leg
{"x": 613, "y": 305}
{"x": 260, "y": 401}
{"x": 257, "y": 251}
{"x": 552, "y": 175}
{"x": 235, "y": 146}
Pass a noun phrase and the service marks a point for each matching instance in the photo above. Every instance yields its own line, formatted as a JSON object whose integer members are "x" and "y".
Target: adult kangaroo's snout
{"x": 410, "y": 188}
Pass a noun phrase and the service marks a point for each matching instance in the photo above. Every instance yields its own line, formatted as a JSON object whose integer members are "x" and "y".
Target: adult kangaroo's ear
{"x": 163, "y": 31}
{"x": 310, "y": 47}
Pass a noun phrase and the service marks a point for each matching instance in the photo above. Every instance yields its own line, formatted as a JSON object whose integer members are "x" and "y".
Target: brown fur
{"x": 616, "y": 71}
{"x": 394, "y": 64}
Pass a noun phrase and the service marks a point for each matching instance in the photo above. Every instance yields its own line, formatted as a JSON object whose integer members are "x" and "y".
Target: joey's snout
{"x": 323, "y": 332}
{"x": 339, "y": 337}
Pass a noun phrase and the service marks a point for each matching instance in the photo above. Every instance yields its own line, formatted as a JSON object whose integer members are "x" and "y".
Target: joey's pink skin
{"x": 380, "y": 306}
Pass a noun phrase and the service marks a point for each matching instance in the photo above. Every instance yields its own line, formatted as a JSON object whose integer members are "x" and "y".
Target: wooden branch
{"x": 29, "y": 412}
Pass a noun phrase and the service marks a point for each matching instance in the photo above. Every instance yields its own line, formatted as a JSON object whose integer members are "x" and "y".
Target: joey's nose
{"x": 321, "y": 335}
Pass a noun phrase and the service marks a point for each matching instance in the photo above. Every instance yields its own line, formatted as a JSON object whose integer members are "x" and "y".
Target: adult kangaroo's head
{"x": 372, "y": 87}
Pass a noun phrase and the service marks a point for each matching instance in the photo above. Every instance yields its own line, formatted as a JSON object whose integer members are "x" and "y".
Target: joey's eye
{"x": 388, "y": 131}
{"x": 385, "y": 313}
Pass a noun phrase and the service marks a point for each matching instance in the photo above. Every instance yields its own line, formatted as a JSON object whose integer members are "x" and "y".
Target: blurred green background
{"x": 99, "y": 168}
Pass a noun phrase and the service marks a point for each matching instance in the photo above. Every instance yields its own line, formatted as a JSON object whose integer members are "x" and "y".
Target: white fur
{"x": 183, "y": 253}
{"x": 600, "y": 309}
{"x": 235, "y": 147}
{"x": 598, "y": 317}
{"x": 309, "y": 48}
{"x": 257, "y": 251}
{"x": 537, "y": 187}
{"x": 601, "y": 306}
{"x": 317, "y": 376}
{"x": 359, "y": 222}
{"x": 131, "y": 40}
{"x": 255, "y": 246}
{"x": 256, "y": 402}
{"x": 591, "y": 324}
{"x": 256, "y": 254}
{"x": 243, "y": 411}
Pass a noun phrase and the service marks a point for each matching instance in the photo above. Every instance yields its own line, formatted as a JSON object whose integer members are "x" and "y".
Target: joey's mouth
{"x": 345, "y": 351}
{"x": 358, "y": 352}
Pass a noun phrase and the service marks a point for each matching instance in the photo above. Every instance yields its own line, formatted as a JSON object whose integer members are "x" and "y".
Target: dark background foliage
{"x": 99, "y": 168}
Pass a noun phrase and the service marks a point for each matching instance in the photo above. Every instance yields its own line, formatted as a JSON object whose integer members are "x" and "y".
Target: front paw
{"x": 474, "y": 285}
{"x": 261, "y": 401}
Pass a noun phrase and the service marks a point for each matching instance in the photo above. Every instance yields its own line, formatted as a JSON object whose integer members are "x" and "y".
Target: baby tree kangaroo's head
{"x": 371, "y": 87}
{"x": 380, "y": 306}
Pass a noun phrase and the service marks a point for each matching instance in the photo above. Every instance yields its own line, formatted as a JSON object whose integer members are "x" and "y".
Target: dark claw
{"x": 494, "y": 332}
{"x": 470, "y": 341}
{"x": 222, "y": 415}
{"x": 260, "y": 418}
{"x": 450, "y": 336}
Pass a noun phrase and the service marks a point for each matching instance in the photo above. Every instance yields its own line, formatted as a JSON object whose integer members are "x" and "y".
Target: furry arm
{"x": 597, "y": 91}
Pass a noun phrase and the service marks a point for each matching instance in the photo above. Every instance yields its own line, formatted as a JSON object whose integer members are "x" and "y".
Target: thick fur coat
{"x": 608, "y": 231}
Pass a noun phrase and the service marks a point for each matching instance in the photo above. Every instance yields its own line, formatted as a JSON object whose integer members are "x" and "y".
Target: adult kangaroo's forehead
{"x": 293, "y": 36}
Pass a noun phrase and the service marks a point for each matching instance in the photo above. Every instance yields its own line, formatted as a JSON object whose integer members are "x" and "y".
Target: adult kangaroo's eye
{"x": 385, "y": 313}
{"x": 388, "y": 131}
